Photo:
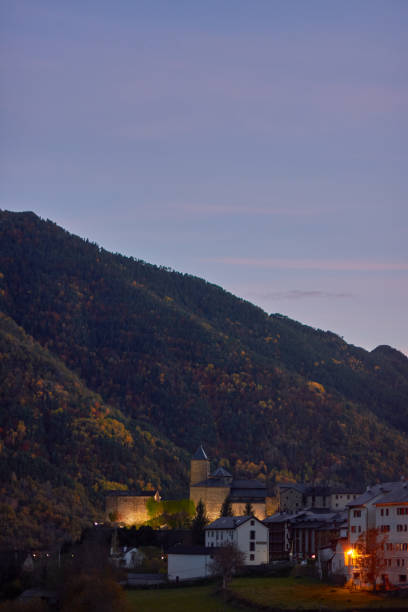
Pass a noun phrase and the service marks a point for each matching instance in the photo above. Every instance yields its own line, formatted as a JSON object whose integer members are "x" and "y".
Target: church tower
{"x": 200, "y": 466}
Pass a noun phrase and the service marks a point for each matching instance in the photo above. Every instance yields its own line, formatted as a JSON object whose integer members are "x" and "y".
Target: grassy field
{"x": 307, "y": 593}
{"x": 194, "y": 599}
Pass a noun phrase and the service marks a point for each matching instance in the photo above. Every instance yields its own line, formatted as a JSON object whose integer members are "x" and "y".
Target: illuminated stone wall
{"x": 212, "y": 497}
{"x": 128, "y": 509}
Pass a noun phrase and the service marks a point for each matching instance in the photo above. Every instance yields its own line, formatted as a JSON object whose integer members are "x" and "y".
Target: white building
{"x": 188, "y": 562}
{"x": 383, "y": 507}
{"x": 248, "y": 533}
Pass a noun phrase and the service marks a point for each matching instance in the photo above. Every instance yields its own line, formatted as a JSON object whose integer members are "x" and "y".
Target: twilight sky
{"x": 260, "y": 144}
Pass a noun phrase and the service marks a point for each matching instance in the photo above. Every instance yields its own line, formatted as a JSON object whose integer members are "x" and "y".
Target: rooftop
{"x": 200, "y": 454}
{"x": 372, "y": 492}
{"x": 398, "y": 494}
{"x": 230, "y": 522}
{"x": 221, "y": 472}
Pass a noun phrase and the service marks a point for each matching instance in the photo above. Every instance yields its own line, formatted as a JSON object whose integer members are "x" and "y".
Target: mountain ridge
{"x": 181, "y": 358}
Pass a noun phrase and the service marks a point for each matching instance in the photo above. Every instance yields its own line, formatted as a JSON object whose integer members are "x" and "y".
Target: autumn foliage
{"x": 113, "y": 371}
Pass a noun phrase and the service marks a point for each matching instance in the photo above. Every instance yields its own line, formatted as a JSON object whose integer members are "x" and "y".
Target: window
{"x": 385, "y": 528}
{"x": 252, "y": 546}
{"x": 252, "y": 557}
{"x": 403, "y": 578}
{"x": 382, "y": 511}
{"x": 359, "y": 529}
{"x": 353, "y": 529}
{"x": 357, "y": 513}
{"x": 389, "y": 546}
{"x": 252, "y": 522}
{"x": 252, "y": 534}
{"x": 387, "y": 512}
{"x": 402, "y": 510}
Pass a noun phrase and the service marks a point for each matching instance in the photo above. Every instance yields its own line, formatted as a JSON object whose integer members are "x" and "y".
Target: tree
{"x": 199, "y": 522}
{"x": 249, "y": 511}
{"x": 369, "y": 558}
{"x": 226, "y": 560}
{"x": 226, "y": 508}
{"x": 93, "y": 592}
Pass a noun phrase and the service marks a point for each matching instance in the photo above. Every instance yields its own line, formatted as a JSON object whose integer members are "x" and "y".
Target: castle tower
{"x": 200, "y": 466}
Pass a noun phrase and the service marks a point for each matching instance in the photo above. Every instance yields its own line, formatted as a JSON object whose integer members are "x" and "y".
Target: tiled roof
{"x": 230, "y": 522}
{"x": 244, "y": 494}
{"x": 213, "y": 482}
{"x": 246, "y": 488}
{"x": 307, "y": 517}
{"x": 398, "y": 494}
{"x": 279, "y": 517}
{"x": 293, "y": 485}
{"x": 221, "y": 472}
{"x": 247, "y": 484}
{"x": 371, "y": 493}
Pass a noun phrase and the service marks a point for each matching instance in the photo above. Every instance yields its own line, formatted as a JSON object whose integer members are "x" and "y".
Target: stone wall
{"x": 212, "y": 497}
{"x": 199, "y": 470}
{"x": 127, "y": 509}
{"x": 290, "y": 500}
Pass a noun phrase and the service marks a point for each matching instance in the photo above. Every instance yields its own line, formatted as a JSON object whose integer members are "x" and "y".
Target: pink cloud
{"x": 248, "y": 209}
{"x": 313, "y": 264}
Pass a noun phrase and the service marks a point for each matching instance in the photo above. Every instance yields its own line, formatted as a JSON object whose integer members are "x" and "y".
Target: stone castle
{"x": 212, "y": 488}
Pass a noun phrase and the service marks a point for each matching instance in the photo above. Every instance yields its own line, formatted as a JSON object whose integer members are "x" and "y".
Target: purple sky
{"x": 261, "y": 145}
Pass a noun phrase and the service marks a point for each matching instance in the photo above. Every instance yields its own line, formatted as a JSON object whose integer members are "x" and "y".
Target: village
{"x": 355, "y": 538}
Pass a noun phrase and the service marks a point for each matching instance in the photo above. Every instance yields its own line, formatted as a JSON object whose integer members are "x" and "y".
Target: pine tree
{"x": 226, "y": 508}
{"x": 198, "y": 524}
{"x": 249, "y": 511}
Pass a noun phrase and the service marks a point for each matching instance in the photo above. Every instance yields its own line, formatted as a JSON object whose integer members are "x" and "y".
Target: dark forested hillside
{"x": 61, "y": 446}
{"x": 175, "y": 358}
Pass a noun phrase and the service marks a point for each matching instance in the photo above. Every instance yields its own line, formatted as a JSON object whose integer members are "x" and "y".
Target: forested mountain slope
{"x": 61, "y": 447}
{"x": 174, "y": 353}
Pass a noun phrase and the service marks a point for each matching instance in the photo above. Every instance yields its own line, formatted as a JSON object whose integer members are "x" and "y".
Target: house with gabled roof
{"x": 248, "y": 533}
